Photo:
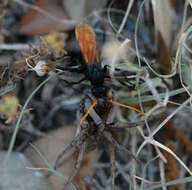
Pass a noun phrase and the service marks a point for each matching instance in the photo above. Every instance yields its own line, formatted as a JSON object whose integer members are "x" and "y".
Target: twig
{"x": 130, "y": 4}
{"x": 14, "y": 46}
{"x": 121, "y": 170}
{"x": 145, "y": 180}
{"x": 169, "y": 117}
{"x": 162, "y": 174}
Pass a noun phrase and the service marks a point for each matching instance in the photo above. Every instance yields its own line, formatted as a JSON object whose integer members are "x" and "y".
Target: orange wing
{"x": 87, "y": 43}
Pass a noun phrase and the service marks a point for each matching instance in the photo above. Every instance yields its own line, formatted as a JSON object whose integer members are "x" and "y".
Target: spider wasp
{"x": 94, "y": 126}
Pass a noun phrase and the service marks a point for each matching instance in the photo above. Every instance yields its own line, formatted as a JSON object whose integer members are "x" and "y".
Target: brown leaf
{"x": 163, "y": 55}
{"x": 4, "y": 3}
{"x": 163, "y": 18}
{"x": 19, "y": 66}
{"x": 171, "y": 168}
{"x": 184, "y": 141}
{"x": 35, "y": 22}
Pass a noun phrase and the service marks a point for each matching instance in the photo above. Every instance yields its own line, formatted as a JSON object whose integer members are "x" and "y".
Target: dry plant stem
{"x": 162, "y": 174}
{"x": 180, "y": 48}
{"x": 130, "y": 4}
{"x": 103, "y": 178}
{"x": 45, "y": 13}
{"x": 133, "y": 149}
{"x": 179, "y": 53}
{"x": 77, "y": 165}
{"x": 93, "y": 114}
{"x": 146, "y": 181}
{"x": 184, "y": 16}
{"x": 31, "y": 57}
{"x": 152, "y": 141}
{"x": 122, "y": 125}
{"x": 66, "y": 149}
{"x": 122, "y": 171}
{"x": 156, "y": 143}
{"x": 160, "y": 154}
{"x": 112, "y": 157}
{"x": 136, "y": 42}
{"x": 145, "y": 169}
{"x": 95, "y": 184}
{"x": 110, "y": 139}
{"x": 16, "y": 47}
{"x": 170, "y": 116}
{"x": 153, "y": 90}
{"x": 108, "y": 15}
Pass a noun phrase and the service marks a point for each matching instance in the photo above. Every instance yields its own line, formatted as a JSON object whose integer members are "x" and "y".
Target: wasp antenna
{"x": 126, "y": 106}
{"x": 86, "y": 114}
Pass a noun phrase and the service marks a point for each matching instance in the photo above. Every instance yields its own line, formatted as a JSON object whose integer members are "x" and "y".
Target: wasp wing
{"x": 87, "y": 43}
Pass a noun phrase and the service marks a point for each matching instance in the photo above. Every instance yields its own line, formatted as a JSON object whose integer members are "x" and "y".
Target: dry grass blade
{"x": 163, "y": 54}
{"x": 163, "y": 18}
{"x": 172, "y": 153}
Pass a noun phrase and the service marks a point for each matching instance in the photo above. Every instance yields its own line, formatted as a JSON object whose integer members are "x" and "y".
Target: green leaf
{"x": 136, "y": 100}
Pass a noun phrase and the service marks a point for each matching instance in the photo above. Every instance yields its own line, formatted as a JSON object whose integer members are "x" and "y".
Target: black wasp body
{"x": 90, "y": 66}
{"x": 96, "y": 75}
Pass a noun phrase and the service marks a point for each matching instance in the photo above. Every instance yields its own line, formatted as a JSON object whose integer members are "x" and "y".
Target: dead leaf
{"x": 54, "y": 41}
{"x": 163, "y": 55}
{"x": 9, "y": 105}
{"x": 163, "y": 19}
{"x": 4, "y": 2}
{"x": 35, "y": 22}
{"x": 116, "y": 50}
{"x": 171, "y": 168}
{"x": 19, "y": 66}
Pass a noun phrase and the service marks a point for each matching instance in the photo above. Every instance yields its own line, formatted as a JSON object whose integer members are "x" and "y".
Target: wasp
{"x": 93, "y": 72}
{"x": 94, "y": 126}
